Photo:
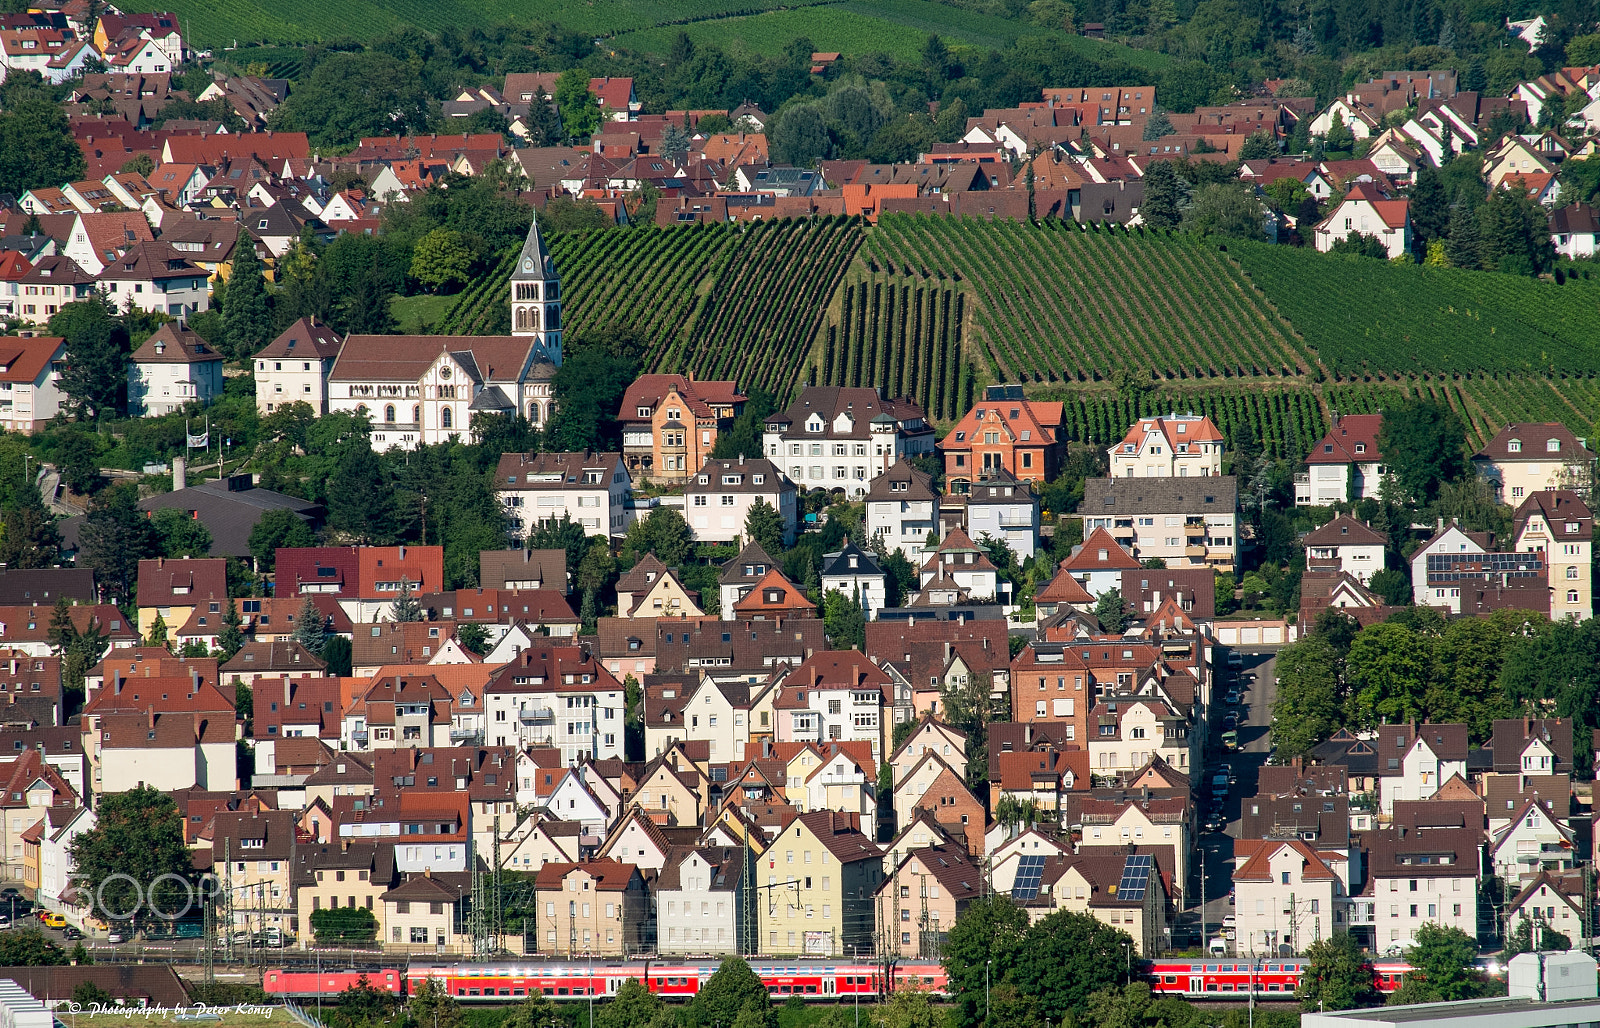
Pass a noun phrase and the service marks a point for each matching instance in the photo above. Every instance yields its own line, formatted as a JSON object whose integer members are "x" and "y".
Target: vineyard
{"x": 1116, "y": 325}
{"x": 718, "y": 301}
{"x": 1362, "y": 317}
{"x": 1058, "y": 304}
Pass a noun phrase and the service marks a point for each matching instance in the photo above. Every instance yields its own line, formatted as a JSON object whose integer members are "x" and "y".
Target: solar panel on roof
{"x": 1030, "y": 870}
{"x": 1135, "y": 877}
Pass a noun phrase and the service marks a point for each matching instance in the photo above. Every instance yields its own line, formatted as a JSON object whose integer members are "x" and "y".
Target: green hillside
{"x": 1114, "y": 324}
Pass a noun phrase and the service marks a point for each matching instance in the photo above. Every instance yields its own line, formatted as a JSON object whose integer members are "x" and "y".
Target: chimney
{"x": 855, "y": 675}
{"x": 116, "y": 681}
{"x": 180, "y": 477}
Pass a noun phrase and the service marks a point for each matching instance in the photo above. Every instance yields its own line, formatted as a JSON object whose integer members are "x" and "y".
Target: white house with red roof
{"x": 171, "y": 369}
{"x": 616, "y": 96}
{"x": 1288, "y": 893}
{"x": 966, "y": 563}
{"x": 30, "y": 381}
{"x": 1099, "y": 563}
{"x": 1366, "y": 211}
{"x": 1344, "y": 465}
{"x": 1170, "y": 446}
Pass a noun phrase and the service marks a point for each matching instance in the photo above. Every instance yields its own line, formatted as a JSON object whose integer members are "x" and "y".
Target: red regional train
{"x": 1218, "y": 977}
{"x": 506, "y": 982}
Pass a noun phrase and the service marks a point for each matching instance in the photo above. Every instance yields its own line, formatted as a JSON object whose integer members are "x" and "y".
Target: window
{"x": 446, "y": 418}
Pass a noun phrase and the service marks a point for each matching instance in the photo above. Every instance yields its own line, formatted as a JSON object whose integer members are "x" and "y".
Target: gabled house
{"x": 1345, "y": 544}
{"x": 294, "y": 367}
{"x": 903, "y": 509}
{"x": 924, "y": 894}
{"x": 853, "y": 572}
{"x": 740, "y": 575}
{"x": 1344, "y": 465}
{"x": 30, "y": 381}
{"x": 1170, "y": 446}
{"x": 670, "y": 424}
{"x": 1525, "y": 458}
{"x": 1574, "y": 230}
{"x": 1004, "y": 431}
{"x": 653, "y": 590}
{"x": 1560, "y": 526}
{"x": 718, "y": 498}
{"x": 1536, "y": 838}
{"x": 834, "y": 437}
{"x": 171, "y": 370}
{"x": 1099, "y": 563}
{"x": 1365, "y": 211}
{"x": 1288, "y": 894}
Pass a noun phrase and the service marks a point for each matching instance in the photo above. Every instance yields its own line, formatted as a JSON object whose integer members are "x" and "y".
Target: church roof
{"x": 534, "y": 261}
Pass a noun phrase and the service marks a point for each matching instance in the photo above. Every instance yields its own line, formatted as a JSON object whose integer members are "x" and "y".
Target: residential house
{"x": 841, "y": 438}
{"x": 925, "y": 892}
{"x": 1574, "y": 229}
{"x": 703, "y": 901}
{"x": 1415, "y": 761}
{"x": 1127, "y": 732}
{"x": 1098, "y": 564}
{"x": 1538, "y": 837}
{"x": 556, "y": 696}
{"x": 902, "y": 510}
{"x": 653, "y": 590}
{"x": 1345, "y": 544}
{"x": 1557, "y": 524}
{"x": 171, "y": 370}
{"x": 832, "y": 695}
{"x": 597, "y": 907}
{"x": 962, "y": 561}
{"x": 295, "y": 367}
{"x": 1525, "y": 458}
{"x": 719, "y": 497}
{"x": 1185, "y": 523}
{"x": 1416, "y": 878}
{"x": 32, "y": 789}
{"x": 1288, "y": 894}
{"x": 593, "y": 489}
{"x": 702, "y": 710}
{"x": 1532, "y": 746}
{"x": 1173, "y": 446}
{"x": 172, "y": 589}
{"x": 853, "y": 572}
{"x": 774, "y": 597}
{"x": 255, "y": 852}
{"x": 272, "y": 660}
{"x": 1344, "y": 466}
{"x": 424, "y": 911}
{"x": 819, "y": 886}
{"x": 53, "y": 282}
{"x": 524, "y": 569}
{"x": 153, "y": 276}
{"x": 1550, "y": 901}
{"x": 740, "y": 575}
{"x": 1447, "y": 540}
{"x": 96, "y": 240}
{"x": 670, "y": 424}
{"x": 30, "y": 381}
{"x": 1128, "y": 890}
{"x": 1367, "y": 212}
{"x": 1000, "y": 508}
{"x": 1004, "y": 432}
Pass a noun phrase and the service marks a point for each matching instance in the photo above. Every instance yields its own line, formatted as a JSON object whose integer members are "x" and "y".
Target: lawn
{"x": 898, "y": 27}
{"x": 415, "y": 315}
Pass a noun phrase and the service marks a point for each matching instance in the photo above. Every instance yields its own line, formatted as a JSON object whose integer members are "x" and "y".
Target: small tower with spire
{"x": 536, "y": 297}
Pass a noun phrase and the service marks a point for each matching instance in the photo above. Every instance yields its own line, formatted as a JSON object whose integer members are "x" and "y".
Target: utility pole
{"x": 926, "y": 940}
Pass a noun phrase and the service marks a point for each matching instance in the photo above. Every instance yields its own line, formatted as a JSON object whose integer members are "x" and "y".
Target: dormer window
{"x": 644, "y": 412}
{"x": 1361, "y": 447}
{"x": 1514, "y": 446}
{"x": 1552, "y": 446}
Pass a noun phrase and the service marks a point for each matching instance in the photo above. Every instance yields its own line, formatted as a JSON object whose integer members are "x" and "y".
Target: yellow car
{"x": 53, "y": 920}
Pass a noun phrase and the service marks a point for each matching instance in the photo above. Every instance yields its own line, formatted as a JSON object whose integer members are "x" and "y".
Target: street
{"x": 1255, "y": 744}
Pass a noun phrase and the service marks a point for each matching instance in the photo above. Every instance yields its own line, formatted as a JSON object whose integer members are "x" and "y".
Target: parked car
{"x": 71, "y": 934}
{"x": 1232, "y": 699}
{"x": 1230, "y": 739}
{"x": 52, "y": 919}
{"x": 116, "y": 937}
{"x": 1230, "y": 921}
{"x": 1234, "y": 660}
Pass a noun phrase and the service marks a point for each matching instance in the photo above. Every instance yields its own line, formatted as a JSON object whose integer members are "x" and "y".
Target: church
{"x": 421, "y": 390}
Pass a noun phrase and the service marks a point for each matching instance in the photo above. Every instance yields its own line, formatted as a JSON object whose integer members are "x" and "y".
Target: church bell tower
{"x": 536, "y": 297}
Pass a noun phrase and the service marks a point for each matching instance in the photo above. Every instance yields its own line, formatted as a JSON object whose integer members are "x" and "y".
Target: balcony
{"x": 465, "y": 735}
{"x": 535, "y": 715}
{"x": 359, "y": 738}
{"x": 1302, "y": 478}
{"x": 1548, "y": 851}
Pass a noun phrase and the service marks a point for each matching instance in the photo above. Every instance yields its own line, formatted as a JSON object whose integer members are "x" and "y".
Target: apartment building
{"x": 1559, "y": 525}
{"x": 1187, "y": 523}
{"x": 1169, "y": 446}
{"x": 670, "y": 424}
{"x": 556, "y": 696}
{"x": 593, "y": 489}
{"x": 1005, "y": 432}
{"x": 1344, "y": 465}
{"x": 295, "y": 367}
{"x": 596, "y": 907}
{"x": 818, "y": 887}
{"x": 717, "y": 499}
{"x": 841, "y": 438}
{"x": 1287, "y": 894}
{"x": 903, "y": 510}
{"x": 1526, "y": 458}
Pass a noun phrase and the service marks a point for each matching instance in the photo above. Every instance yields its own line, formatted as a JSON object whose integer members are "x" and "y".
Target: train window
{"x": 1228, "y": 987}
{"x": 785, "y": 989}
{"x": 519, "y": 992}
{"x": 1274, "y": 988}
{"x": 658, "y": 983}
{"x": 1211, "y": 986}
{"x": 562, "y": 992}
{"x": 1197, "y": 967}
{"x": 927, "y": 981}
{"x": 505, "y": 992}
{"x": 460, "y": 991}
{"x": 1169, "y": 979}
{"x": 552, "y": 992}
{"x": 1226, "y": 968}
{"x": 1211, "y": 968}
{"x": 811, "y": 989}
{"x": 474, "y": 992}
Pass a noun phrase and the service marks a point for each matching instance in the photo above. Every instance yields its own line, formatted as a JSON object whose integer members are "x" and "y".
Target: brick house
{"x": 1004, "y": 431}
{"x": 670, "y": 424}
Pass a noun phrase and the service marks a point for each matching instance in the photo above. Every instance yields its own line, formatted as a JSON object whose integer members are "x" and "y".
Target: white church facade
{"x": 422, "y": 390}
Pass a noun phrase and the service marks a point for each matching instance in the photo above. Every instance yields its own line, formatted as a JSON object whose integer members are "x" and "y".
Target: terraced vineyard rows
{"x": 740, "y": 301}
{"x": 904, "y": 334}
{"x": 1054, "y": 303}
{"x": 1364, "y": 317}
{"x": 1287, "y": 421}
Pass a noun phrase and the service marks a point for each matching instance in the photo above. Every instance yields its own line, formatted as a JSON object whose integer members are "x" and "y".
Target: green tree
{"x": 1068, "y": 956}
{"x": 86, "y": 995}
{"x": 28, "y": 536}
{"x": 36, "y": 145}
{"x": 984, "y": 945}
{"x": 349, "y": 95}
{"x": 158, "y": 632}
{"x": 246, "y": 314}
{"x": 406, "y": 606}
{"x": 910, "y": 1008}
{"x": 664, "y": 533}
{"x": 359, "y": 504}
{"x": 1337, "y": 975}
{"x": 29, "y": 947}
{"x": 115, "y": 537}
{"x": 1424, "y": 444}
{"x": 579, "y": 112}
{"x": 1111, "y": 610}
{"x": 231, "y": 639}
{"x": 539, "y": 1011}
{"x": 1394, "y": 585}
{"x": 843, "y": 620}
{"x": 96, "y": 376}
{"x": 1445, "y": 956}
{"x": 588, "y": 389}
{"x": 362, "y": 1005}
{"x": 1258, "y": 146}
{"x": 763, "y": 525}
{"x": 1310, "y": 702}
{"x": 310, "y": 626}
{"x": 633, "y": 1005}
{"x": 1430, "y": 206}
{"x": 729, "y": 990}
{"x": 278, "y": 528}
{"x": 442, "y": 260}
{"x": 1522, "y": 940}
{"x": 1339, "y": 140}
{"x": 474, "y": 635}
{"x": 77, "y": 454}
{"x": 1361, "y": 246}
{"x": 431, "y": 1005}
{"x": 136, "y": 843}
{"x": 336, "y": 654}
{"x": 343, "y": 924}
{"x": 1225, "y": 210}
{"x": 564, "y": 534}
{"x": 1389, "y": 668}
{"x": 179, "y": 535}
{"x": 1165, "y": 196}
{"x": 1157, "y": 125}
{"x": 1515, "y": 233}
{"x": 799, "y": 134}
{"x": 598, "y": 568}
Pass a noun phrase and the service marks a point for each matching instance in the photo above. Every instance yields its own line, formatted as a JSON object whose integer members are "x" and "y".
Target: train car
{"x": 674, "y": 980}
{"x": 1222, "y": 978}
{"x": 330, "y": 982}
